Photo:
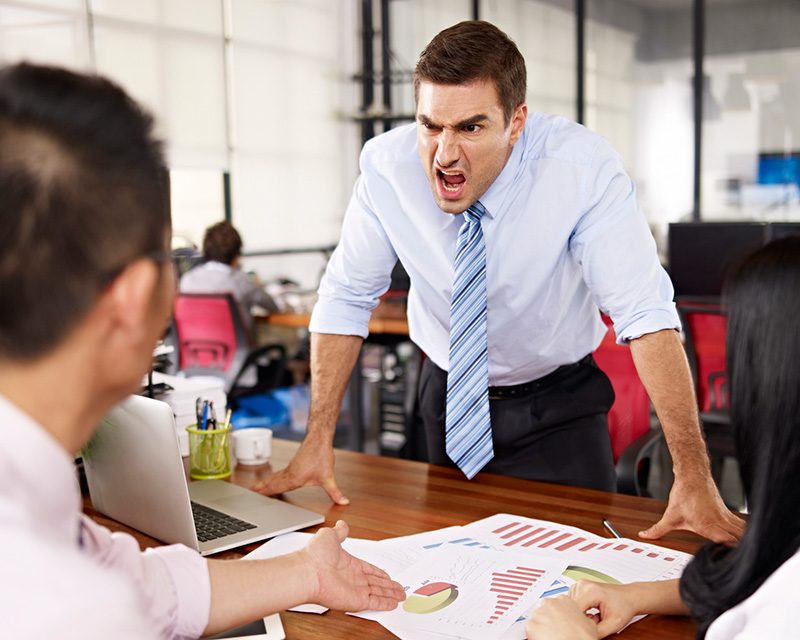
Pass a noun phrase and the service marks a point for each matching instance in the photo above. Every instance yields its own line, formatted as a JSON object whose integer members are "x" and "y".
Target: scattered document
{"x": 483, "y": 580}
{"x": 615, "y": 561}
{"x": 468, "y": 593}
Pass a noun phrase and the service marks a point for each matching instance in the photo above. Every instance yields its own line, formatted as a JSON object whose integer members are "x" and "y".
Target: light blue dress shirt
{"x": 564, "y": 238}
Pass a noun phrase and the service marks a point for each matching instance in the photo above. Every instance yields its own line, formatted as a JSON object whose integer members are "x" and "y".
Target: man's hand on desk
{"x": 695, "y": 505}
{"x": 311, "y": 466}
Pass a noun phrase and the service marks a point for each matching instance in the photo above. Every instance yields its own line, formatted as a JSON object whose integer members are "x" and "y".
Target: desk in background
{"x": 394, "y": 497}
{"x": 388, "y": 325}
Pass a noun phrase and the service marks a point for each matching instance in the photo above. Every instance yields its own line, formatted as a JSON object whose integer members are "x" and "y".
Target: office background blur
{"x": 264, "y": 104}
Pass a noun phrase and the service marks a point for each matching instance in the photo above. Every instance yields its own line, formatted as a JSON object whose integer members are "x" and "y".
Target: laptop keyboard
{"x": 211, "y": 524}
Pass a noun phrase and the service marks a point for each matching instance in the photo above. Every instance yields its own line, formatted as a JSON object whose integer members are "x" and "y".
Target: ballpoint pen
{"x": 204, "y": 422}
{"x": 611, "y": 528}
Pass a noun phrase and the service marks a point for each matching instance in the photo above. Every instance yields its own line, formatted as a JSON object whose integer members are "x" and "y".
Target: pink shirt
{"x": 63, "y": 575}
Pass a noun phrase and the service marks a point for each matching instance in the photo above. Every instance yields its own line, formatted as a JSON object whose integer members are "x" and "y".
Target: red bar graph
{"x": 510, "y": 587}
{"x": 524, "y": 536}
{"x": 572, "y": 543}
{"x": 528, "y": 535}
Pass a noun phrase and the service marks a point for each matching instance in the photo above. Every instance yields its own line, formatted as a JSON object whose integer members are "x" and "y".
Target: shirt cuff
{"x": 189, "y": 573}
{"x": 339, "y": 318}
{"x": 649, "y": 321}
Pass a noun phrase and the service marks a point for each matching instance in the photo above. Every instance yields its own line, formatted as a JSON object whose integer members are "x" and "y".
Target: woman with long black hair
{"x": 751, "y": 590}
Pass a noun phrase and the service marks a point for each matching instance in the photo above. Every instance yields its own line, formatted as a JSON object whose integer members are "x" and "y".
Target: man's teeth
{"x": 445, "y": 185}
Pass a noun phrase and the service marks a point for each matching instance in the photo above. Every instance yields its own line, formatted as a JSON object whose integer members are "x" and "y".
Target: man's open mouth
{"x": 451, "y": 181}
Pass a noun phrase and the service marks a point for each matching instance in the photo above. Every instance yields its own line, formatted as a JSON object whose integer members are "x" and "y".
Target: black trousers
{"x": 555, "y": 432}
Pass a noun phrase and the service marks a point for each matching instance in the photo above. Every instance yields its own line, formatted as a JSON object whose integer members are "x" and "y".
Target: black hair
{"x": 83, "y": 191}
{"x": 763, "y": 301}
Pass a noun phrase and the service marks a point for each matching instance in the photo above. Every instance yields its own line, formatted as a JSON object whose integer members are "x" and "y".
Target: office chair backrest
{"x": 629, "y": 416}
{"x": 705, "y": 330}
{"x": 211, "y": 334}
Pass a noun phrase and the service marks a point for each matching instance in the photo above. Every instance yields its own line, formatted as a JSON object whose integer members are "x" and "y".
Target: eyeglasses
{"x": 182, "y": 260}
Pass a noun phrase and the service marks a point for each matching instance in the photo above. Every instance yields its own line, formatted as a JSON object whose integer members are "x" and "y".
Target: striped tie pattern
{"x": 468, "y": 439}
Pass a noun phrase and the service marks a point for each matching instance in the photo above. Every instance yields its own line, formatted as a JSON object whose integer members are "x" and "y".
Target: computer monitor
{"x": 701, "y": 254}
{"x": 783, "y": 229}
{"x": 779, "y": 168}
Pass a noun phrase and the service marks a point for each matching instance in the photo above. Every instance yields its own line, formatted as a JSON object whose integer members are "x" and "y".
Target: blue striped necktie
{"x": 468, "y": 439}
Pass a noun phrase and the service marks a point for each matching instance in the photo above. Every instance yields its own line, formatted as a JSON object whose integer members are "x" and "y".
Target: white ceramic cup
{"x": 252, "y": 445}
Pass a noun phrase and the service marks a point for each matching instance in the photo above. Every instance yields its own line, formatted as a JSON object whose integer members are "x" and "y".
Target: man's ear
{"x": 130, "y": 295}
{"x": 517, "y": 124}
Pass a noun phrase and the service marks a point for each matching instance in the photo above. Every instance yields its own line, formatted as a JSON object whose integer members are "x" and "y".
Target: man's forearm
{"x": 243, "y": 591}
{"x": 661, "y": 362}
{"x": 332, "y": 360}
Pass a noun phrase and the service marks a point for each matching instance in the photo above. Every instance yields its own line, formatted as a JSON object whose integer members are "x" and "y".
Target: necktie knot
{"x": 475, "y": 212}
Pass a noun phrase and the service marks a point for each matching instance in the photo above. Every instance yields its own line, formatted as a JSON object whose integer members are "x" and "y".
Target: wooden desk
{"x": 392, "y": 497}
{"x": 388, "y": 323}
{"x": 388, "y": 318}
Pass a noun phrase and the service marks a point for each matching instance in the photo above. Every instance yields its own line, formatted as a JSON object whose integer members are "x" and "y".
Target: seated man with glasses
{"x": 86, "y": 288}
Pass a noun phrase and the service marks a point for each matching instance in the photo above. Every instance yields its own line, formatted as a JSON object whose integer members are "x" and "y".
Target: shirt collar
{"x": 218, "y": 266}
{"x": 497, "y": 192}
{"x": 41, "y": 477}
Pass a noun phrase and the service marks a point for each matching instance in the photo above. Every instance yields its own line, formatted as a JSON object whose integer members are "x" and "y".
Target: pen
{"x": 611, "y": 528}
{"x": 205, "y": 415}
{"x": 212, "y": 420}
{"x": 198, "y": 410}
{"x": 228, "y": 419}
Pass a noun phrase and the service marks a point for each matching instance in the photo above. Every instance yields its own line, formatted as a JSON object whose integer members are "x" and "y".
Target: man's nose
{"x": 448, "y": 151}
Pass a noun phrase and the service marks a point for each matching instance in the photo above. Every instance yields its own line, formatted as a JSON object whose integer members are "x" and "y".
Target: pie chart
{"x": 431, "y": 597}
{"x": 584, "y": 573}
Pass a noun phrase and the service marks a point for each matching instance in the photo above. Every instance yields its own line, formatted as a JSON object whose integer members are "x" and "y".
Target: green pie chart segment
{"x": 584, "y": 573}
{"x": 434, "y": 596}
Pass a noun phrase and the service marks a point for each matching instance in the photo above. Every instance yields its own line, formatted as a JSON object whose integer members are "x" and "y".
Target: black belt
{"x": 526, "y": 388}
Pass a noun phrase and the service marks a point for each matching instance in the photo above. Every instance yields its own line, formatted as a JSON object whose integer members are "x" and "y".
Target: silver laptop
{"x": 135, "y": 475}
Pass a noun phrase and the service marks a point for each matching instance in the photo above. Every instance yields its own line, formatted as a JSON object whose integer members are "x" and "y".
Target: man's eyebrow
{"x": 476, "y": 119}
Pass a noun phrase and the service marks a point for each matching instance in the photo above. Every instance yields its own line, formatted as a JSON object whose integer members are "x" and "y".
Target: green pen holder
{"x": 209, "y": 453}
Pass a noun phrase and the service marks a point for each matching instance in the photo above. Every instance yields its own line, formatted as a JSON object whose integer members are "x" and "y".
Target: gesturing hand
{"x": 344, "y": 582}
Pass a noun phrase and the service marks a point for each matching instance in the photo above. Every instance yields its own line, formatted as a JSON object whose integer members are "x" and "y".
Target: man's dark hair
{"x": 83, "y": 192}
{"x": 222, "y": 243}
{"x": 475, "y": 50}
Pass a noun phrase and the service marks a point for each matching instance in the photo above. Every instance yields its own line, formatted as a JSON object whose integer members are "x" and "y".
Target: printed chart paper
{"x": 473, "y": 593}
{"x": 482, "y": 581}
{"x": 590, "y": 557}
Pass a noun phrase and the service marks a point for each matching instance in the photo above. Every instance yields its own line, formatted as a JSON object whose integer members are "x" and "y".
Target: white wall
{"x": 265, "y": 90}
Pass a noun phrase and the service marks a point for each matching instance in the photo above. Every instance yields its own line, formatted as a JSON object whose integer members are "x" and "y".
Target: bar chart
{"x": 589, "y": 556}
{"x": 510, "y": 586}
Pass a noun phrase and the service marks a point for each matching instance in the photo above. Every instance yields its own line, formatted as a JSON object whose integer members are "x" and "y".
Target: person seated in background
{"x": 751, "y": 590}
{"x": 220, "y": 272}
{"x": 86, "y": 289}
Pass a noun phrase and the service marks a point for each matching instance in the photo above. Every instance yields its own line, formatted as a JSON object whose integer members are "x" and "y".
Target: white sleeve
{"x": 172, "y": 581}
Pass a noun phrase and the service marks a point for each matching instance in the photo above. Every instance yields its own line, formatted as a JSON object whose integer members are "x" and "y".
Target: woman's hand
{"x": 560, "y": 618}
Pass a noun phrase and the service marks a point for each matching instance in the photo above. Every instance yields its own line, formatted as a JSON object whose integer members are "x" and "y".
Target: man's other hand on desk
{"x": 311, "y": 466}
{"x": 696, "y": 505}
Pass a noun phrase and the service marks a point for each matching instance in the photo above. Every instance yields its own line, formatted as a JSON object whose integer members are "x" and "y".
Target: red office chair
{"x": 212, "y": 340}
{"x": 633, "y": 441}
{"x": 705, "y": 331}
